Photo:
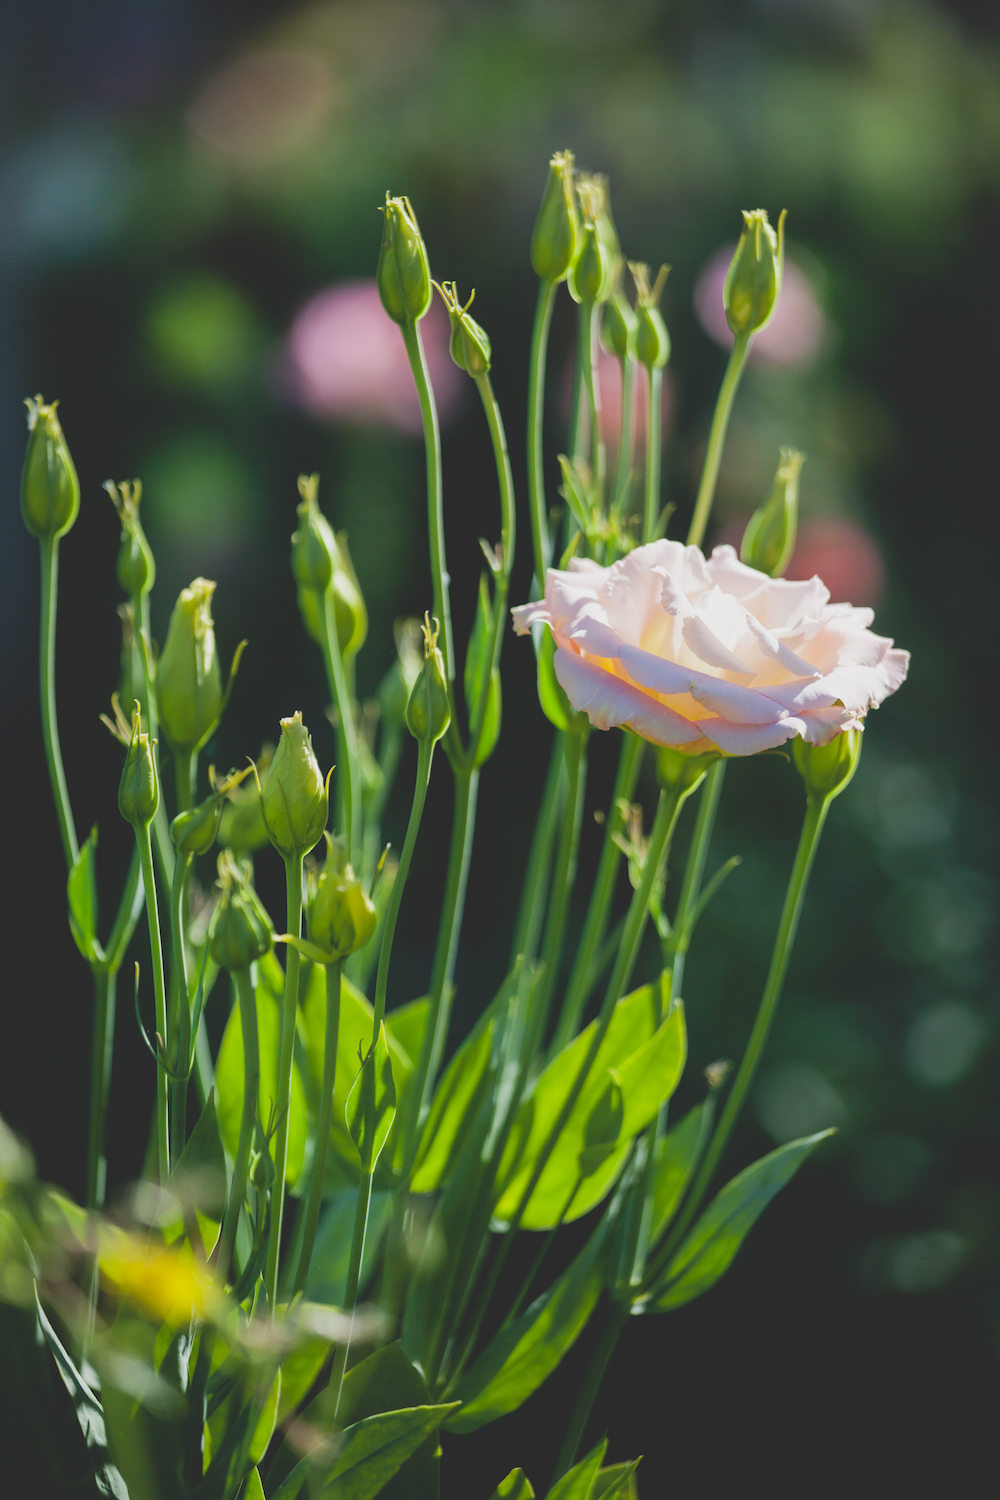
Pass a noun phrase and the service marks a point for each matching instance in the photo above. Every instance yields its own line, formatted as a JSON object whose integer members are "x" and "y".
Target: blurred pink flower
{"x": 797, "y": 330}
{"x": 843, "y": 553}
{"x": 609, "y": 376}
{"x": 345, "y": 360}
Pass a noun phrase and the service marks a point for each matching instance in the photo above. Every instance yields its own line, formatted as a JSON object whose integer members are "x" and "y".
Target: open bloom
{"x": 709, "y": 654}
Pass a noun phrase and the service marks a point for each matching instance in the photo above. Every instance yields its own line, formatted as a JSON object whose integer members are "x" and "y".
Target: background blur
{"x": 187, "y": 238}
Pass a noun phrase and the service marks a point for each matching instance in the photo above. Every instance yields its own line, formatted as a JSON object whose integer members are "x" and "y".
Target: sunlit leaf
{"x": 81, "y": 892}
{"x": 229, "y": 1076}
{"x": 371, "y": 1104}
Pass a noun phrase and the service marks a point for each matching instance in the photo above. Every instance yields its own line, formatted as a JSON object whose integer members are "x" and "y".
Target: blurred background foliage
{"x": 187, "y": 240}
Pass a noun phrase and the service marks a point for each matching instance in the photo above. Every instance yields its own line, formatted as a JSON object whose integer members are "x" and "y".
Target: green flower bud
{"x": 770, "y": 535}
{"x": 826, "y": 769}
{"x": 313, "y": 545}
{"x": 652, "y": 341}
{"x": 188, "y": 682}
{"x": 593, "y": 274}
{"x": 348, "y": 601}
{"x": 242, "y": 825}
{"x": 50, "y": 490}
{"x": 677, "y": 771}
{"x": 470, "y": 344}
{"x": 619, "y": 326}
{"x": 555, "y": 239}
{"x": 428, "y": 712}
{"x": 403, "y": 272}
{"x": 310, "y": 603}
{"x": 139, "y": 789}
{"x": 262, "y": 1171}
{"x": 753, "y": 280}
{"x": 195, "y": 831}
{"x": 341, "y": 916}
{"x": 241, "y": 930}
{"x": 293, "y": 798}
{"x": 136, "y": 569}
{"x": 394, "y": 690}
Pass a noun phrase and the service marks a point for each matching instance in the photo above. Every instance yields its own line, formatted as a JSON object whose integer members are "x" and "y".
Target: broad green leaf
{"x": 199, "y": 1178}
{"x": 405, "y": 1027}
{"x": 81, "y": 892}
{"x": 514, "y": 1487}
{"x": 676, "y": 1156}
{"x": 229, "y": 1074}
{"x": 265, "y": 1422}
{"x": 647, "y": 1065}
{"x": 525, "y": 1353}
{"x": 369, "y": 1453}
{"x": 299, "y": 1368}
{"x": 616, "y": 1482}
{"x": 555, "y": 705}
{"x": 708, "y": 1251}
{"x": 107, "y": 1479}
{"x": 371, "y": 1104}
{"x": 576, "y": 1485}
{"x": 145, "y": 1416}
{"x": 456, "y": 1101}
{"x": 332, "y": 1251}
{"x": 253, "y": 1489}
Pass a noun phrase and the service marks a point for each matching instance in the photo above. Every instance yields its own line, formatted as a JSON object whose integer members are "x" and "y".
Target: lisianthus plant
{"x": 314, "y": 1278}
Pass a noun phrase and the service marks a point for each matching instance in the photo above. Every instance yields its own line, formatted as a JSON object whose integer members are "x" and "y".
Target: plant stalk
{"x": 49, "y": 549}
{"x": 160, "y": 993}
{"x": 251, "y": 1087}
{"x": 323, "y": 1122}
{"x": 654, "y": 441}
{"x": 717, "y": 438}
{"x": 435, "y": 497}
{"x": 293, "y": 885}
{"x": 540, "y": 543}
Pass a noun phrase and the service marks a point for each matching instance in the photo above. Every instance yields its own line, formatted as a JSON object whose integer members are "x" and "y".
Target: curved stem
{"x": 540, "y": 544}
{"x": 293, "y": 886}
{"x": 161, "y": 825}
{"x": 717, "y": 438}
{"x": 159, "y": 990}
{"x": 667, "y": 812}
{"x": 654, "y": 441}
{"x": 591, "y": 385}
{"x": 694, "y": 872}
{"x": 532, "y": 904}
{"x": 323, "y": 1122}
{"x": 504, "y": 475}
{"x": 435, "y": 497}
{"x": 49, "y": 549}
{"x": 248, "y": 1119}
{"x": 626, "y": 441}
{"x": 425, "y": 755}
{"x": 100, "y": 1084}
{"x": 617, "y": 1318}
{"x": 348, "y": 786}
{"x": 181, "y": 1004}
{"x": 812, "y": 827}
{"x": 563, "y": 875}
{"x": 596, "y": 920}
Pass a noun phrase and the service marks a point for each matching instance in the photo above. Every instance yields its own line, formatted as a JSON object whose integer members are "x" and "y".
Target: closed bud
{"x": 188, "y": 682}
{"x": 136, "y": 569}
{"x": 652, "y": 341}
{"x": 593, "y": 274}
{"x": 555, "y": 239}
{"x": 753, "y": 280}
{"x": 403, "y": 273}
{"x": 770, "y": 535}
{"x": 676, "y": 771}
{"x": 313, "y": 544}
{"x": 826, "y": 769}
{"x": 241, "y": 827}
{"x": 195, "y": 831}
{"x": 618, "y": 327}
{"x": 138, "y": 790}
{"x": 349, "y": 609}
{"x": 293, "y": 797}
{"x": 262, "y": 1171}
{"x": 50, "y": 490}
{"x": 241, "y": 929}
{"x": 394, "y": 690}
{"x": 470, "y": 344}
{"x": 310, "y": 604}
{"x": 341, "y": 916}
{"x": 428, "y": 712}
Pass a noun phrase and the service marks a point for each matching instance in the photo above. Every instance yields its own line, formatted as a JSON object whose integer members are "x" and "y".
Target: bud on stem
{"x": 555, "y": 240}
{"x": 50, "y": 490}
{"x": 403, "y": 272}
{"x": 769, "y": 539}
{"x": 428, "y": 711}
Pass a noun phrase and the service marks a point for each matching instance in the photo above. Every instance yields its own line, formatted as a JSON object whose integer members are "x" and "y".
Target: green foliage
{"x": 514, "y": 1487}
{"x": 81, "y": 892}
{"x": 576, "y": 1484}
{"x": 371, "y": 1104}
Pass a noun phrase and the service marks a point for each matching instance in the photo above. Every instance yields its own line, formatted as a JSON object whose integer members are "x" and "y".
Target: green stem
{"x": 564, "y": 873}
{"x": 588, "y": 342}
{"x": 47, "y": 694}
{"x": 248, "y": 1119}
{"x": 348, "y": 786}
{"x": 596, "y": 920}
{"x": 181, "y": 1004}
{"x": 185, "y": 776}
{"x": 531, "y": 907}
{"x": 293, "y": 885}
{"x": 717, "y": 438}
{"x": 351, "y": 1287}
{"x": 651, "y": 503}
{"x": 626, "y": 441}
{"x": 617, "y": 1318}
{"x": 504, "y": 474}
{"x": 694, "y": 872}
{"x": 540, "y": 543}
{"x": 435, "y": 497}
{"x": 812, "y": 827}
{"x": 100, "y": 1083}
{"x": 159, "y": 990}
{"x": 425, "y": 755}
{"x": 323, "y": 1122}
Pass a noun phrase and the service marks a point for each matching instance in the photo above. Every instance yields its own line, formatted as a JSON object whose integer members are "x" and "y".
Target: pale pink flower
{"x": 841, "y": 551}
{"x": 707, "y": 654}
{"x": 797, "y": 329}
{"x": 345, "y": 360}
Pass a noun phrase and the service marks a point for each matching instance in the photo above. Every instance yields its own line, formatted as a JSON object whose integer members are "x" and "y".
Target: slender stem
{"x": 159, "y": 990}
{"x": 425, "y": 755}
{"x": 126, "y": 917}
{"x": 540, "y": 543}
{"x": 717, "y": 438}
{"x": 351, "y": 1288}
{"x": 293, "y": 885}
{"x": 435, "y": 497}
{"x": 564, "y": 873}
{"x": 667, "y": 812}
{"x": 577, "y": 399}
{"x": 348, "y": 784}
{"x": 617, "y": 1318}
{"x": 161, "y": 827}
{"x": 694, "y": 872}
{"x": 591, "y": 385}
{"x": 532, "y": 903}
{"x": 248, "y": 1119}
{"x": 596, "y": 921}
{"x": 323, "y": 1122}
{"x": 626, "y": 441}
{"x": 812, "y": 827}
{"x": 651, "y": 504}
{"x": 185, "y": 777}
{"x": 504, "y": 474}
{"x": 47, "y": 693}
{"x": 100, "y": 1084}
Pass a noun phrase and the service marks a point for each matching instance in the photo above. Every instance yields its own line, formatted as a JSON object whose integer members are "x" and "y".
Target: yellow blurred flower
{"x": 170, "y": 1284}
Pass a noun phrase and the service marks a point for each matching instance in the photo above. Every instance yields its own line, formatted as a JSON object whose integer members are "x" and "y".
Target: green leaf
{"x": 576, "y": 1485}
{"x": 369, "y": 1453}
{"x": 676, "y": 1156}
{"x": 107, "y": 1479}
{"x": 145, "y": 1416}
{"x": 81, "y": 891}
{"x": 332, "y": 1251}
{"x": 647, "y": 1065}
{"x": 617, "y": 1480}
{"x": 575, "y": 490}
{"x": 199, "y": 1179}
{"x": 603, "y": 1127}
{"x": 709, "y": 1250}
{"x": 555, "y": 705}
{"x": 526, "y": 1351}
{"x": 253, "y": 1489}
{"x": 229, "y": 1073}
{"x": 480, "y": 644}
{"x": 371, "y": 1104}
{"x": 405, "y": 1027}
{"x": 457, "y": 1100}
{"x": 514, "y": 1487}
